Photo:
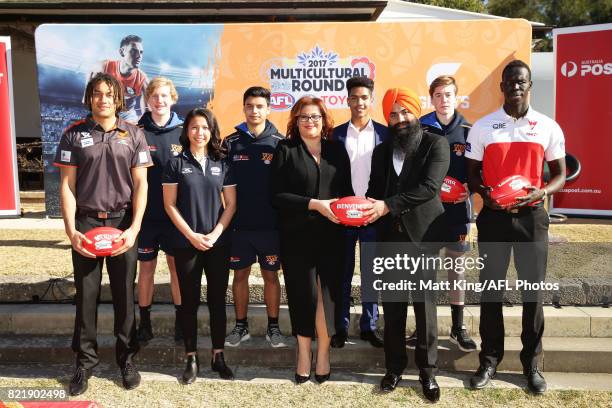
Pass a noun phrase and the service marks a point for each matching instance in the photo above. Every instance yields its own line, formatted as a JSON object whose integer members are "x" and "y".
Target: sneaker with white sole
{"x": 237, "y": 335}
{"x": 462, "y": 339}
{"x": 275, "y": 337}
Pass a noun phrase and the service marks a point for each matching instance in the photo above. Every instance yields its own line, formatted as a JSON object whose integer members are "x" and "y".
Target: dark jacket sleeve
{"x": 376, "y": 184}
{"x": 280, "y": 184}
{"x": 429, "y": 185}
{"x": 345, "y": 163}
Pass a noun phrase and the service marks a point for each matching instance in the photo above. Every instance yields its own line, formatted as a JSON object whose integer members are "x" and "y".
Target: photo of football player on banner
{"x": 211, "y": 65}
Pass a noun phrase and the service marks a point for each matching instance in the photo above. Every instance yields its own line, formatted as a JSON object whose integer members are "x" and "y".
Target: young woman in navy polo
{"x": 196, "y": 184}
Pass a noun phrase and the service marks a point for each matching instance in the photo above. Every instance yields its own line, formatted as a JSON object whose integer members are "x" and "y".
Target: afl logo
{"x": 281, "y": 101}
{"x": 569, "y": 69}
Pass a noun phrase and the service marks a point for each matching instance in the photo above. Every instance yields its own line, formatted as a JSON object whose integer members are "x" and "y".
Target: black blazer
{"x": 296, "y": 178}
{"x": 416, "y": 205}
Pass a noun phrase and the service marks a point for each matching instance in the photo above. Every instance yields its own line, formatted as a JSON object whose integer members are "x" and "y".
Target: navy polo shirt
{"x": 199, "y": 193}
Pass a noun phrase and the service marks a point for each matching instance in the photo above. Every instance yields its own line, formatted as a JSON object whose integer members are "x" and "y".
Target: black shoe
{"x": 178, "y": 331}
{"x": 411, "y": 340}
{"x": 131, "y": 376}
{"x": 462, "y": 340}
{"x": 389, "y": 382}
{"x": 481, "y": 378}
{"x": 192, "y": 368}
{"x": 301, "y": 379}
{"x": 535, "y": 380}
{"x": 144, "y": 333}
{"x": 431, "y": 389}
{"x": 321, "y": 378}
{"x": 217, "y": 363}
{"x": 338, "y": 339}
{"x": 373, "y": 337}
{"x": 78, "y": 383}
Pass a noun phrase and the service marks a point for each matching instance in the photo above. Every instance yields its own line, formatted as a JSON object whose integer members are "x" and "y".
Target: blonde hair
{"x": 159, "y": 82}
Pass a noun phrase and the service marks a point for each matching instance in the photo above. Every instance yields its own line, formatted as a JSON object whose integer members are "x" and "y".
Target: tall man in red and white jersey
{"x": 133, "y": 80}
{"x": 514, "y": 140}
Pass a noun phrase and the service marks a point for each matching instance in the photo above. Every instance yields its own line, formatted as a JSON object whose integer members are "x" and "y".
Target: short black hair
{"x": 357, "y": 82}
{"x": 515, "y": 64}
{"x": 256, "y": 92}
{"x": 129, "y": 39}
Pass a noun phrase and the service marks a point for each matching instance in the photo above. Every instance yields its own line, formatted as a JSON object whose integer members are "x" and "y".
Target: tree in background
{"x": 556, "y": 13}
{"x": 467, "y": 5}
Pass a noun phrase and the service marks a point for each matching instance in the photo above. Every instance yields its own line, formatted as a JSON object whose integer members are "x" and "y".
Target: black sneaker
{"x": 131, "y": 376}
{"x": 78, "y": 383}
{"x": 144, "y": 334}
{"x": 462, "y": 340}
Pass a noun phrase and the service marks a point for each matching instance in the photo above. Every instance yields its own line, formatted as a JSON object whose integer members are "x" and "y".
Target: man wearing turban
{"x": 407, "y": 173}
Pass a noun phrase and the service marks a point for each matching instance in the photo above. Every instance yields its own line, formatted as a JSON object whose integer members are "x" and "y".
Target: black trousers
{"x": 87, "y": 280}
{"x": 189, "y": 266}
{"x": 426, "y": 351}
{"x": 499, "y": 233}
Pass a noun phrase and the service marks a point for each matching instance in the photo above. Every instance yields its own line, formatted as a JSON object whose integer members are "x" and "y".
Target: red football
{"x": 452, "y": 190}
{"x": 350, "y": 210}
{"x": 102, "y": 240}
{"x": 506, "y": 192}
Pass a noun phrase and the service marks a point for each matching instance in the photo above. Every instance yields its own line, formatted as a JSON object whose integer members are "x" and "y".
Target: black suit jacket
{"x": 415, "y": 202}
{"x": 296, "y": 178}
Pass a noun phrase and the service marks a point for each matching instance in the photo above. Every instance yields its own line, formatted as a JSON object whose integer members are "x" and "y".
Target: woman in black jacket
{"x": 309, "y": 172}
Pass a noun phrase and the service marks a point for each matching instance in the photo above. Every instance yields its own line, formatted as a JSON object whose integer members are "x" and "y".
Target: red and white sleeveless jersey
{"x": 507, "y": 146}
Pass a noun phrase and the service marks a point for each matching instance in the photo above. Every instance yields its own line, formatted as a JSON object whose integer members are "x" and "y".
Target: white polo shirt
{"x": 359, "y": 146}
{"x": 507, "y": 146}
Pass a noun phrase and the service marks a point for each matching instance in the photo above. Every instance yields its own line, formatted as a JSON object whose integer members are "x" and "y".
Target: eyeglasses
{"x": 306, "y": 118}
{"x": 396, "y": 115}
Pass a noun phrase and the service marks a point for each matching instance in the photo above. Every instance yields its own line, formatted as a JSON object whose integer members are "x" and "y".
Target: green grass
{"x": 205, "y": 393}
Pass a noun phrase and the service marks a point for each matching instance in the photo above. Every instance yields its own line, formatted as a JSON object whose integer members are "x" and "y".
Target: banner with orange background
{"x": 213, "y": 64}
{"x": 316, "y": 59}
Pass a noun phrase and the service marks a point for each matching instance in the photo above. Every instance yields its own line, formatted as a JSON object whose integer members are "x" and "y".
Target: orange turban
{"x": 406, "y": 97}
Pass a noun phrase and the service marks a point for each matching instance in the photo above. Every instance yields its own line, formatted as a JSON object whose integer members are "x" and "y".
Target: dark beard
{"x": 406, "y": 139}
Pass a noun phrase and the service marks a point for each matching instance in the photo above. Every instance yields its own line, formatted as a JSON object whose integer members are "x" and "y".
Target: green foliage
{"x": 558, "y": 13}
{"x": 467, "y": 5}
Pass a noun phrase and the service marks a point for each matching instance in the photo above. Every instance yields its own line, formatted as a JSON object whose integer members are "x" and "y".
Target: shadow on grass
{"x": 31, "y": 243}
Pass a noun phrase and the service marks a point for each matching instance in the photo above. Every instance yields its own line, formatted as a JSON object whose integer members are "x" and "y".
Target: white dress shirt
{"x": 360, "y": 145}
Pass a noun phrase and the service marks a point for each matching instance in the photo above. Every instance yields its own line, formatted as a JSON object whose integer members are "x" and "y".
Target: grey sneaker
{"x": 237, "y": 335}
{"x": 275, "y": 337}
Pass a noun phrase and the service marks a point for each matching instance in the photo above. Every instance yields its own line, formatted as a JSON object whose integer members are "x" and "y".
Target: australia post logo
{"x": 315, "y": 72}
{"x": 595, "y": 67}
{"x": 281, "y": 101}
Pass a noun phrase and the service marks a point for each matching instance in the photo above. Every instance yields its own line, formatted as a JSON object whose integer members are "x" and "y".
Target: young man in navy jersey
{"x": 446, "y": 121}
{"x": 249, "y": 151}
{"x": 162, "y": 128}
{"x": 359, "y": 136}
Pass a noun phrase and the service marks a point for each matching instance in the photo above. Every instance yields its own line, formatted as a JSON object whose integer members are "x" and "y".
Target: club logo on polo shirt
{"x": 458, "y": 149}
{"x": 267, "y": 157}
{"x": 85, "y": 135}
{"x": 215, "y": 171}
{"x": 122, "y": 134}
{"x": 271, "y": 259}
{"x": 240, "y": 157}
{"x": 176, "y": 149}
{"x": 532, "y": 123}
{"x": 187, "y": 170}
